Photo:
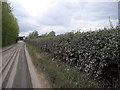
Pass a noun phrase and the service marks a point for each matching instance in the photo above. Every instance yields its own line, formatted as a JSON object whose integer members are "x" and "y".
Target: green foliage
{"x": 43, "y": 35}
{"x": 0, "y": 24}
{"x": 10, "y": 29}
{"x": 96, "y": 52}
{"x": 34, "y": 34}
{"x": 60, "y": 75}
{"x": 52, "y": 33}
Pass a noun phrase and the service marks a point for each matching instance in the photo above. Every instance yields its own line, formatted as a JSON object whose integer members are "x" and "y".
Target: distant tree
{"x": 52, "y": 33}
{"x": 33, "y": 34}
{"x": 43, "y": 35}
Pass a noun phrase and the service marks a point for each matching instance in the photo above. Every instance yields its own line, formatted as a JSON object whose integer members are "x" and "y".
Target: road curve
{"x": 15, "y": 72}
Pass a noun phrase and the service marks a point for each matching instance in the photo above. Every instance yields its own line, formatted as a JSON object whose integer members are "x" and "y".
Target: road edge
{"x": 32, "y": 70}
{"x": 7, "y": 48}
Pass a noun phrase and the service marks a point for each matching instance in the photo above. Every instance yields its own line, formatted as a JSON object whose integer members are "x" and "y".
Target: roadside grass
{"x": 60, "y": 75}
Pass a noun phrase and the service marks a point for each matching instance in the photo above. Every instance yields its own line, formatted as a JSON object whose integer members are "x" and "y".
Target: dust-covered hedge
{"x": 96, "y": 52}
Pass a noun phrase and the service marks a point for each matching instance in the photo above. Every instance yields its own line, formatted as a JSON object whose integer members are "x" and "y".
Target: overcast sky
{"x": 63, "y": 15}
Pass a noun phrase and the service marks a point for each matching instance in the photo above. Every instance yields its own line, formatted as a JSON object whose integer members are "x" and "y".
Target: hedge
{"x": 95, "y": 52}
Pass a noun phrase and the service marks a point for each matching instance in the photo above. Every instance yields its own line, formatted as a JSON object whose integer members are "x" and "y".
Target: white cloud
{"x": 62, "y": 15}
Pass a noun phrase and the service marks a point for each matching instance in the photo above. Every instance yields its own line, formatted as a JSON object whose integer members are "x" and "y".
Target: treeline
{"x": 0, "y": 24}
{"x": 35, "y": 34}
{"x": 10, "y": 28}
{"x": 96, "y": 53}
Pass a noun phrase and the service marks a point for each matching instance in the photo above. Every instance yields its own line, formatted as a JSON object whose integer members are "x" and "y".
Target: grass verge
{"x": 60, "y": 75}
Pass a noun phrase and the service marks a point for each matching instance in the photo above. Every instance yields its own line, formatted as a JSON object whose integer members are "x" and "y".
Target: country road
{"x": 15, "y": 72}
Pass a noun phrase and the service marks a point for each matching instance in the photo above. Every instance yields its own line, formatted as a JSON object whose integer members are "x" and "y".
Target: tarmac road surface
{"x": 14, "y": 71}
